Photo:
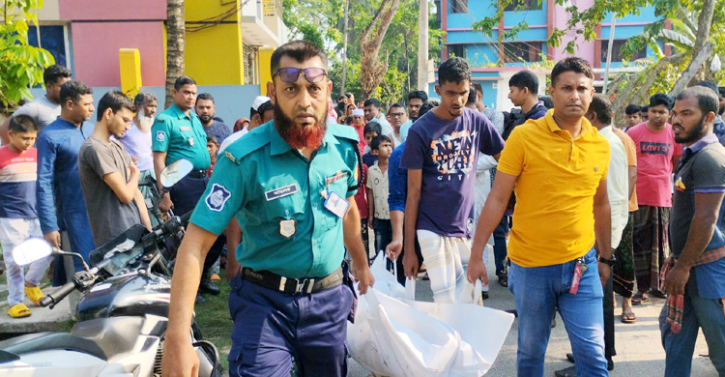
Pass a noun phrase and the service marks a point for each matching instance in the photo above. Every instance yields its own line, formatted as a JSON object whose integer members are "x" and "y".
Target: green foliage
{"x": 304, "y": 17}
{"x": 21, "y": 65}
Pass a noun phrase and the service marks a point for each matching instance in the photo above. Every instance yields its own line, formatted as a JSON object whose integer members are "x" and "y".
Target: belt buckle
{"x": 300, "y": 288}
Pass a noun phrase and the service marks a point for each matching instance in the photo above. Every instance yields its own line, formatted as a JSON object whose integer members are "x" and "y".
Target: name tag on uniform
{"x": 337, "y": 204}
{"x": 340, "y": 175}
{"x": 186, "y": 128}
{"x": 281, "y": 192}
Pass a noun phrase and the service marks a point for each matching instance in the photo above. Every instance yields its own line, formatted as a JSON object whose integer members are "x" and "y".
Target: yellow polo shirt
{"x": 557, "y": 179}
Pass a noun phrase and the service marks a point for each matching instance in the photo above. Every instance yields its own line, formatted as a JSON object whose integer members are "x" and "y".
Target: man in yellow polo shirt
{"x": 558, "y": 165}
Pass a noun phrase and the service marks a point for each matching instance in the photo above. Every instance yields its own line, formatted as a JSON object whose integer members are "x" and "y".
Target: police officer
{"x": 178, "y": 134}
{"x": 290, "y": 186}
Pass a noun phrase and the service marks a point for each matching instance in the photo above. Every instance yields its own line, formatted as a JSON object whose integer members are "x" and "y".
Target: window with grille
{"x": 617, "y": 46}
{"x": 52, "y": 38}
{"x": 459, "y": 6}
{"x": 457, "y": 50}
{"x": 516, "y": 52}
{"x": 523, "y": 5}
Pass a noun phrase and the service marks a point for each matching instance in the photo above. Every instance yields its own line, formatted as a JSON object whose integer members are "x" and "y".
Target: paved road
{"x": 638, "y": 345}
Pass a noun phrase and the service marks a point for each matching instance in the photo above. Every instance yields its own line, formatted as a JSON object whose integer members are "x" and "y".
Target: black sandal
{"x": 503, "y": 280}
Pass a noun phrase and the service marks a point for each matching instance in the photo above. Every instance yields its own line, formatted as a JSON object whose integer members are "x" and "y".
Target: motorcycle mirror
{"x": 174, "y": 172}
{"x": 31, "y": 251}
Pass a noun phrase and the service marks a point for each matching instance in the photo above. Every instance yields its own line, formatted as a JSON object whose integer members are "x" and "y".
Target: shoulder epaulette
{"x": 343, "y": 132}
{"x": 242, "y": 147}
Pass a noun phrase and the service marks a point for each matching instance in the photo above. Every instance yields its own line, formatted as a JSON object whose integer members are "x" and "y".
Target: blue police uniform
{"x": 284, "y": 205}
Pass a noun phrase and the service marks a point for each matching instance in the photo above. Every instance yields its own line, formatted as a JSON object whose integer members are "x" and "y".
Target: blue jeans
{"x": 699, "y": 313}
{"x": 271, "y": 327}
{"x": 537, "y": 291}
{"x": 500, "y": 249}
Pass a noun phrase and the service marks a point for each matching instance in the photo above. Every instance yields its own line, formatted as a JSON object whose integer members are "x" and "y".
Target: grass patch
{"x": 214, "y": 321}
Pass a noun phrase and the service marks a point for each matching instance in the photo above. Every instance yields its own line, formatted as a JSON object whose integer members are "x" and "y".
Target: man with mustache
{"x": 657, "y": 155}
{"x": 290, "y": 185}
{"x": 694, "y": 280}
{"x": 558, "y": 165}
{"x": 205, "y": 108}
{"x": 59, "y": 194}
{"x": 178, "y": 134}
{"x": 441, "y": 154}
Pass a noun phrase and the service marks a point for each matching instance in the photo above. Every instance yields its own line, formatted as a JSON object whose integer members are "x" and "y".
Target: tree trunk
{"x": 175, "y": 36}
{"x": 702, "y": 48}
{"x": 344, "y": 48}
{"x": 372, "y": 70}
{"x": 407, "y": 62}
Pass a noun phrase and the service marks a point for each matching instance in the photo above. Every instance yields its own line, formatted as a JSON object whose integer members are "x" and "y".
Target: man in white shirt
{"x": 600, "y": 116}
{"x": 262, "y": 112}
{"x": 46, "y": 109}
{"x": 398, "y": 117}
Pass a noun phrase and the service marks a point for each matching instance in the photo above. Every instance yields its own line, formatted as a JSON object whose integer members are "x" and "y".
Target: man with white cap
{"x": 262, "y": 112}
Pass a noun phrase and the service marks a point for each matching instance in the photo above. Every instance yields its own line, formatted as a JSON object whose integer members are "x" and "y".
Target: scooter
{"x": 123, "y": 311}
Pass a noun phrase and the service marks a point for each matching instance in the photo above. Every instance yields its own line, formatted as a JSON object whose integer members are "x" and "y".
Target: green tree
{"x": 399, "y": 45}
{"x": 21, "y": 65}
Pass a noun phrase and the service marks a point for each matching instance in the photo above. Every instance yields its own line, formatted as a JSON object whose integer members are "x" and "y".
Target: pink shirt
{"x": 654, "y": 164}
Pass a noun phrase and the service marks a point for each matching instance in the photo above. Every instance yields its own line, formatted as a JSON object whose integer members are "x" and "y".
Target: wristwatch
{"x": 610, "y": 262}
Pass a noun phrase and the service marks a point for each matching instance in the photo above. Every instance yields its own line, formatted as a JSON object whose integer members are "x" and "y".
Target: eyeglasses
{"x": 290, "y": 75}
{"x": 397, "y": 115}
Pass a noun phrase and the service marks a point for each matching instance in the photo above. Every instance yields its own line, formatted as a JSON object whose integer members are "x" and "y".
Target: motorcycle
{"x": 177, "y": 169}
{"x": 123, "y": 311}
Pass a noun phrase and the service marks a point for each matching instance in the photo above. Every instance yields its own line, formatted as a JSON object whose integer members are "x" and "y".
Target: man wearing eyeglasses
{"x": 398, "y": 117}
{"x": 290, "y": 186}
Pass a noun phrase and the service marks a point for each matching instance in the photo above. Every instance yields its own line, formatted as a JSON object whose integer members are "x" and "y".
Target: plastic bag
{"x": 402, "y": 337}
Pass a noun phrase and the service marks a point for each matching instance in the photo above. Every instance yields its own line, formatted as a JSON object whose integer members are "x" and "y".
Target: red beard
{"x": 299, "y": 137}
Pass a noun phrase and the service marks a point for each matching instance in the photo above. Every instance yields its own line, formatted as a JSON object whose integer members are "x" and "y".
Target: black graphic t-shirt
{"x": 446, "y": 151}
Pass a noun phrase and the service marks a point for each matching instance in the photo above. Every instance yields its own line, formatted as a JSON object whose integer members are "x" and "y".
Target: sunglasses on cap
{"x": 290, "y": 75}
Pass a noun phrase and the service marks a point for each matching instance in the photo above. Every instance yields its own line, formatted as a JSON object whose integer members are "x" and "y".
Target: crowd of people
{"x": 574, "y": 208}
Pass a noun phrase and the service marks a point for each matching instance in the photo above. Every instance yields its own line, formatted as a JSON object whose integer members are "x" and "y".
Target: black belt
{"x": 197, "y": 173}
{"x": 292, "y": 286}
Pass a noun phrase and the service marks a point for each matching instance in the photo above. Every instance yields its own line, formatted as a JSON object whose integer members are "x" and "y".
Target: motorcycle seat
{"x": 51, "y": 341}
{"x": 102, "y": 338}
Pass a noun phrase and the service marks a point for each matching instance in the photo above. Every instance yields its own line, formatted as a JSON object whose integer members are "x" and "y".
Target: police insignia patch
{"x": 218, "y": 196}
{"x": 287, "y": 228}
{"x": 161, "y": 136}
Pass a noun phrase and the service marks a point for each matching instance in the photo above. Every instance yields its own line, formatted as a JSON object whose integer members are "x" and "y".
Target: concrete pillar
{"x": 130, "y": 64}
{"x": 265, "y": 72}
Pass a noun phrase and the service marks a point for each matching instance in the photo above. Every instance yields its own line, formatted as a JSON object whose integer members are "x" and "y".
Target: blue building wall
{"x": 481, "y": 49}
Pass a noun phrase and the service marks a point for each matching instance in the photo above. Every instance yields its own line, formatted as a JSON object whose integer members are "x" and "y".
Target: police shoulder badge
{"x": 287, "y": 228}
{"x": 217, "y": 197}
{"x": 160, "y": 135}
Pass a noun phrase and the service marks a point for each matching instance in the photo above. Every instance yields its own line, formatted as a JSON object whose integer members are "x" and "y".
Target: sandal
{"x": 639, "y": 298}
{"x": 657, "y": 293}
{"x": 503, "y": 280}
{"x": 629, "y": 317}
{"x": 34, "y": 294}
{"x": 19, "y": 311}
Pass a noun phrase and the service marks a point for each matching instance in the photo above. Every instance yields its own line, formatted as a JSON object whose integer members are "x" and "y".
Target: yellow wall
{"x": 265, "y": 59}
{"x": 214, "y": 55}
